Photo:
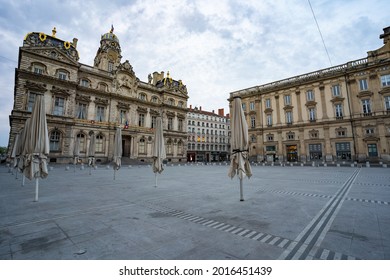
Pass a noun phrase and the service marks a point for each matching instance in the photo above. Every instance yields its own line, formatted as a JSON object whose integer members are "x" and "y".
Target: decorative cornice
{"x": 122, "y": 105}
{"x": 365, "y": 93}
{"x": 80, "y": 97}
{"x": 311, "y": 104}
{"x": 101, "y": 101}
{"x": 337, "y": 99}
{"x": 142, "y": 109}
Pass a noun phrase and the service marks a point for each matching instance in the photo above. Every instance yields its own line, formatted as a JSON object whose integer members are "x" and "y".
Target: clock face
{"x": 113, "y": 44}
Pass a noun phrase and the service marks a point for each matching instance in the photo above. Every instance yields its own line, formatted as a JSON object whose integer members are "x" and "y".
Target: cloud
{"x": 215, "y": 47}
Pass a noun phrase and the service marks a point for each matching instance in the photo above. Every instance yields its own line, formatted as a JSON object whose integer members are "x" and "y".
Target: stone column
{"x": 298, "y": 96}
{"x": 280, "y": 146}
{"x": 302, "y": 148}
{"x": 327, "y": 148}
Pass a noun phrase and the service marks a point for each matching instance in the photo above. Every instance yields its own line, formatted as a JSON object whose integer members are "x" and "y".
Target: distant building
{"x": 208, "y": 135}
{"x": 341, "y": 113}
{"x": 85, "y": 101}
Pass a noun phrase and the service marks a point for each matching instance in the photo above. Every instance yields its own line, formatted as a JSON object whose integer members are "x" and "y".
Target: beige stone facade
{"x": 341, "y": 113}
{"x": 85, "y": 101}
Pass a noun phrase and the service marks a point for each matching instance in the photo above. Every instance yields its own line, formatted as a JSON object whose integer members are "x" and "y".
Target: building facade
{"x": 208, "y": 135}
{"x": 341, "y": 113}
{"x": 84, "y": 101}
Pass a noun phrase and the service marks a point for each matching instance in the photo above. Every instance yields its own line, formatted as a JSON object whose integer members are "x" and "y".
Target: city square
{"x": 195, "y": 213}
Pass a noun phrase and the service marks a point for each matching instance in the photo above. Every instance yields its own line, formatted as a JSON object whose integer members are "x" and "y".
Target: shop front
{"x": 292, "y": 152}
{"x": 315, "y": 151}
{"x": 343, "y": 151}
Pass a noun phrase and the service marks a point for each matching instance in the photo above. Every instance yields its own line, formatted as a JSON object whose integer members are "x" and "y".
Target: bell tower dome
{"x": 108, "y": 56}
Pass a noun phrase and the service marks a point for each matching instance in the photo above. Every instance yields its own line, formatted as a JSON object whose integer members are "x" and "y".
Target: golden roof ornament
{"x": 54, "y": 31}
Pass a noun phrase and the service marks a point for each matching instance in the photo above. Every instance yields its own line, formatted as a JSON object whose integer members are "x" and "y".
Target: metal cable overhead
{"x": 319, "y": 30}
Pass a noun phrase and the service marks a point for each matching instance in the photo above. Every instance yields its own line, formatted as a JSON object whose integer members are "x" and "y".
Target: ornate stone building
{"x": 208, "y": 135}
{"x": 339, "y": 113}
{"x": 85, "y": 101}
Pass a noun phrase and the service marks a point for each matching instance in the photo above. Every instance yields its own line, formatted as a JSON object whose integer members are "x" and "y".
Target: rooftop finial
{"x": 112, "y": 29}
{"x": 54, "y": 31}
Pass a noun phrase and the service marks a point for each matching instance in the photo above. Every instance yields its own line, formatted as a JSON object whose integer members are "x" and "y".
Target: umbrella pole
{"x": 74, "y": 168}
{"x": 114, "y": 173}
{"x": 36, "y": 189}
{"x": 155, "y": 177}
{"x": 90, "y": 168}
{"x": 23, "y": 179}
{"x": 16, "y": 173}
{"x": 241, "y": 191}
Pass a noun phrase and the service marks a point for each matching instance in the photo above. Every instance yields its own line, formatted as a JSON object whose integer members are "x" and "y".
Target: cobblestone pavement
{"x": 289, "y": 212}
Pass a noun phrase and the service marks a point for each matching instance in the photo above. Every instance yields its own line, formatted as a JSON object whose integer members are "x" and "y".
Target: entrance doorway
{"x": 126, "y": 144}
{"x": 292, "y": 153}
{"x": 372, "y": 150}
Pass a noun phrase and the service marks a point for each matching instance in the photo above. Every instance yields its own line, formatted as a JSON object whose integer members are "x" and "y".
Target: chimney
{"x": 228, "y": 116}
{"x": 190, "y": 106}
{"x": 386, "y": 35}
{"x": 213, "y": 112}
{"x": 200, "y": 108}
{"x": 221, "y": 112}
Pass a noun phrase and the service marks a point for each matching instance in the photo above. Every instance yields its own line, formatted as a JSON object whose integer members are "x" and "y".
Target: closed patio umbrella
{"x": 117, "y": 150}
{"x": 158, "y": 154}
{"x": 76, "y": 152}
{"x": 36, "y": 144}
{"x": 240, "y": 145}
{"x": 22, "y": 149}
{"x": 15, "y": 154}
{"x": 91, "y": 153}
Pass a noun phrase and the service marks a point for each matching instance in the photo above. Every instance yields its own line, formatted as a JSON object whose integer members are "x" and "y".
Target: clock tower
{"x": 108, "y": 56}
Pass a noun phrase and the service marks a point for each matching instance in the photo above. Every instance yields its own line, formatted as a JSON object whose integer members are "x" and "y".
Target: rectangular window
{"x": 85, "y": 83}
{"x": 81, "y": 111}
{"x": 244, "y": 107}
{"x": 59, "y": 106}
{"x": 110, "y": 66}
{"x": 38, "y": 69}
{"x": 312, "y": 114}
{"x": 99, "y": 143}
{"x": 336, "y": 90}
{"x": 387, "y": 103}
{"x": 289, "y": 117}
{"x": 31, "y": 101}
{"x": 363, "y": 84}
{"x": 253, "y": 122}
{"x": 62, "y": 75}
{"x": 268, "y": 103}
{"x": 170, "y": 124}
{"x": 270, "y": 137}
{"x": 269, "y": 120}
{"x": 372, "y": 150}
{"x": 252, "y": 106}
{"x": 122, "y": 116}
{"x": 55, "y": 141}
{"x": 100, "y": 113}
{"x": 341, "y": 133}
{"x": 366, "y": 106}
{"x": 180, "y": 124}
{"x": 141, "y": 120}
{"x": 287, "y": 100}
{"x": 385, "y": 80}
{"x": 338, "y": 111}
{"x": 154, "y": 121}
{"x": 310, "y": 95}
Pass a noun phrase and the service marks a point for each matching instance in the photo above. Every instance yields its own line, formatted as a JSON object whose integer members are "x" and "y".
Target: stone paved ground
{"x": 195, "y": 213}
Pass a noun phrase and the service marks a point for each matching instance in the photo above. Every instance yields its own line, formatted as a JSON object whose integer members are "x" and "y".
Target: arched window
{"x": 141, "y": 146}
{"x": 55, "y": 137}
{"x": 180, "y": 147}
{"x": 85, "y": 82}
{"x": 142, "y": 96}
{"x": 154, "y": 99}
{"x": 81, "y": 136}
{"x": 169, "y": 147}
{"x": 99, "y": 143}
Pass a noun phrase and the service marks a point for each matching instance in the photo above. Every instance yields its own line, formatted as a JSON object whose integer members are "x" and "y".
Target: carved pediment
{"x": 365, "y": 93}
{"x": 311, "y": 104}
{"x": 84, "y": 98}
{"x": 122, "y": 105}
{"x": 181, "y": 116}
{"x": 337, "y": 99}
{"x": 55, "y": 54}
{"x": 288, "y": 107}
{"x": 101, "y": 101}
{"x": 126, "y": 67}
{"x": 142, "y": 109}
{"x": 268, "y": 111}
{"x": 385, "y": 90}
{"x": 154, "y": 112}
{"x": 170, "y": 114}
{"x": 60, "y": 91}
{"x": 36, "y": 86}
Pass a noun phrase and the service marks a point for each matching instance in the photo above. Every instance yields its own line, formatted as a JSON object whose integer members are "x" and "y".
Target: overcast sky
{"x": 214, "y": 47}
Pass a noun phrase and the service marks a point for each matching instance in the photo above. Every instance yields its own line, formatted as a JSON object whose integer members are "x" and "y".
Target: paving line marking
{"x": 265, "y": 238}
{"x": 315, "y": 231}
